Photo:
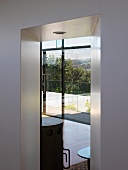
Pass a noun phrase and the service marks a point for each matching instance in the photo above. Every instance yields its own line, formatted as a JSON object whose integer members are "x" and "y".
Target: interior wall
{"x": 30, "y": 103}
{"x": 96, "y": 98}
{"x": 15, "y": 15}
{"x": 114, "y": 84}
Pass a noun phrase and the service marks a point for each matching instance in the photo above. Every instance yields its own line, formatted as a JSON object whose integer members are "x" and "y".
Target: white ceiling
{"x": 79, "y": 27}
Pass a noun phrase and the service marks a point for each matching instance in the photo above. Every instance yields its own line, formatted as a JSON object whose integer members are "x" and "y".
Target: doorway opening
{"x": 65, "y": 90}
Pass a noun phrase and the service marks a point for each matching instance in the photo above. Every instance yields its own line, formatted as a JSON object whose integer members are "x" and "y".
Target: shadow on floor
{"x": 81, "y": 117}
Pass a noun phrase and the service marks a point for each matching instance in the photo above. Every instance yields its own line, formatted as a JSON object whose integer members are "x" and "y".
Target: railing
{"x": 78, "y": 103}
{"x": 71, "y": 87}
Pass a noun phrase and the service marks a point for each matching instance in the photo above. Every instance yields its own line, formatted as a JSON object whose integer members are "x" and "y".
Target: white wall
{"x": 96, "y": 98}
{"x": 15, "y": 15}
{"x": 30, "y": 103}
{"x": 114, "y": 84}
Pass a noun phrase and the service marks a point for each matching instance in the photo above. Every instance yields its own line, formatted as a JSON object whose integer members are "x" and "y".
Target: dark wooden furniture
{"x": 51, "y": 144}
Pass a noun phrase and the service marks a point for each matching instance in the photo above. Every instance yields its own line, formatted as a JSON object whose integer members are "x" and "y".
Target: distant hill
{"x": 86, "y": 63}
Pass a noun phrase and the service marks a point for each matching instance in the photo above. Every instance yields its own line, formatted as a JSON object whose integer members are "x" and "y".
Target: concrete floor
{"x": 75, "y": 137}
{"x": 80, "y": 117}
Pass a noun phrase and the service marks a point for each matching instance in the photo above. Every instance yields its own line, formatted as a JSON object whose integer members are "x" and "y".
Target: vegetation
{"x": 70, "y": 107}
{"x": 88, "y": 105}
{"x": 76, "y": 76}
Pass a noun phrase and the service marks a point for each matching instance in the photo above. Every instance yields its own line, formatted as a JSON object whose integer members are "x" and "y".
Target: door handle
{"x": 44, "y": 83}
{"x": 67, "y": 158}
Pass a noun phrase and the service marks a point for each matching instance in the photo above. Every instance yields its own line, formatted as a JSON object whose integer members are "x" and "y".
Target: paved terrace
{"x": 77, "y": 114}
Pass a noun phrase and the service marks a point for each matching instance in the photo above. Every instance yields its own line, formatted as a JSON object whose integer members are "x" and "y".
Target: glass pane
{"x": 77, "y": 101}
{"x": 58, "y": 43}
{"x": 77, "y": 41}
{"x": 49, "y": 44}
{"x": 53, "y": 83}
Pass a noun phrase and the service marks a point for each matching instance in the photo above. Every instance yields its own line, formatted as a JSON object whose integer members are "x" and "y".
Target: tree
{"x": 77, "y": 79}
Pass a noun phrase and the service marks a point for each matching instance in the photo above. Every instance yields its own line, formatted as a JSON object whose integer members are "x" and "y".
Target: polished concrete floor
{"x": 75, "y": 136}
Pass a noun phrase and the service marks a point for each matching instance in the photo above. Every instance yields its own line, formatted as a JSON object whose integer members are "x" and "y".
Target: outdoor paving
{"x": 81, "y": 117}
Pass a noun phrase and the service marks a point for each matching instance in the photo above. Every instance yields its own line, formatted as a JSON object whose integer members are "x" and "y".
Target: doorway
{"x": 65, "y": 85}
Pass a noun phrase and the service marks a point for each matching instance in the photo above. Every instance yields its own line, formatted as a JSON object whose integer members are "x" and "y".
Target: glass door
{"x": 77, "y": 74}
{"x": 77, "y": 85}
{"x": 66, "y": 74}
{"x": 52, "y": 83}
